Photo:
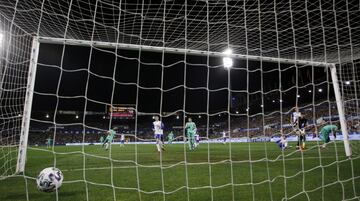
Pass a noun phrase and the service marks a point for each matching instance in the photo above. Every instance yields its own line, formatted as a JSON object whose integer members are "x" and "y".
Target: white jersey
{"x": 197, "y": 137}
{"x": 224, "y": 134}
{"x": 158, "y": 127}
{"x": 122, "y": 137}
{"x": 295, "y": 116}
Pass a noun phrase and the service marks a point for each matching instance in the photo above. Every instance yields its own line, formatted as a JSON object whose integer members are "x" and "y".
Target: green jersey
{"x": 110, "y": 136}
{"x": 171, "y": 136}
{"x": 326, "y": 130}
{"x": 191, "y": 128}
{"x": 48, "y": 141}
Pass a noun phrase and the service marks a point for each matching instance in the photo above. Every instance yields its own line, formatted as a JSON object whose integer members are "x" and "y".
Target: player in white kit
{"x": 122, "y": 140}
{"x": 224, "y": 137}
{"x": 197, "y": 139}
{"x": 158, "y": 127}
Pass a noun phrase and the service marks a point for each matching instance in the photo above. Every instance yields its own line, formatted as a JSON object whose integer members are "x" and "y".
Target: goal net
{"x": 349, "y": 78}
{"x": 15, "y": 50}
{"x": 245, "y": 72}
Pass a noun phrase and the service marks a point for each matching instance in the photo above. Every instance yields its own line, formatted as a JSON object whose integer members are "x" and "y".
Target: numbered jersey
{"x": 158, "y": 127}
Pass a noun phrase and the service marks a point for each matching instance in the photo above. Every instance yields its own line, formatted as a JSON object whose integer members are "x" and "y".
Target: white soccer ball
{"x": 49, "y": 179}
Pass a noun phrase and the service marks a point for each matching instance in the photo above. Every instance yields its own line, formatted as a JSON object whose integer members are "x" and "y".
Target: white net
{"x": 14, "y": 62}
{"x": 114, "y": 64}
{"x": 350, "y": 88}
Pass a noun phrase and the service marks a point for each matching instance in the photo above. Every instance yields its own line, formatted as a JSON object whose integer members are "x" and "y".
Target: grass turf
{"x": 313, "y": 174}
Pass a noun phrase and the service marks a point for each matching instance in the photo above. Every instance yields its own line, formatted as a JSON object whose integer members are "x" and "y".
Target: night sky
{"x": 97, "y": 74}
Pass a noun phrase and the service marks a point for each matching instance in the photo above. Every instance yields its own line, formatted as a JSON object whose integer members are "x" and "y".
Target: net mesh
{"x": 314, "y": 31}
{"x": 14, "y": 60}
{"x": 349, "y": 79}
{"x": 250, "y": 102}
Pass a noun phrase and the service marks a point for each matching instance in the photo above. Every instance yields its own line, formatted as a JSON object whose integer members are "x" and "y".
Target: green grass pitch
{"x": 313, "y": 174}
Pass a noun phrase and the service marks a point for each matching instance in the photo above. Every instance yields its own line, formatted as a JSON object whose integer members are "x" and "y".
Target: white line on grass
{"x": 182, "y": 162}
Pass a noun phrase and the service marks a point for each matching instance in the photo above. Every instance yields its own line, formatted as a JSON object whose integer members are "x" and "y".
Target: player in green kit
{"x": 102, "y": 139}
{"x": 109, "y": 138}
{"x": 325, "y": 133}
{"x": 170, "y": 137}
{"x": 48, "y": 142}
{"x": 190, "y": 127}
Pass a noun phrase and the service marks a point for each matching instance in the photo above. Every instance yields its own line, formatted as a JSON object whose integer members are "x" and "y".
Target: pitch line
{"x": 182, "y": 162}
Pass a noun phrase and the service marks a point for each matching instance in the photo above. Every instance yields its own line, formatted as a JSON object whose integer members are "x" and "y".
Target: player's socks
{"x": 158, "y": 147}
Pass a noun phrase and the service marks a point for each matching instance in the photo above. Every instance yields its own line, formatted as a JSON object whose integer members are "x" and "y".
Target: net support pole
{"x": 340, "y": 107}
{"x": 20, "y": 166}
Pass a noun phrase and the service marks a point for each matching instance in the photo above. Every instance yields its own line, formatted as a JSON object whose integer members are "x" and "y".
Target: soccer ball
{"x": 49, "y": 179}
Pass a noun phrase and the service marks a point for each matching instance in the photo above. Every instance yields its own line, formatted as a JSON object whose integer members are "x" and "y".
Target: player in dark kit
{"x": 301, "y": 132}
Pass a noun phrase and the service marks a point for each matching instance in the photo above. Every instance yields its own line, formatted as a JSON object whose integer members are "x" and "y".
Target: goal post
{"x": 25, "y": 125}
{"x": 33, "y": 65}
{"x": 238, "y": 87}
{"x": 340, "y": 108}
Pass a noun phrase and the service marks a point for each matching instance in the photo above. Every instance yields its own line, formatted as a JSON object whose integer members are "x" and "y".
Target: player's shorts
{"x": 191, "y": 134}
{"x": 301, "y": 138}
{"x": 197, "y": 141}
{"x": 122, "y": 141}
{"x": 325, "y": 137}
{"x": 158, "y": 136}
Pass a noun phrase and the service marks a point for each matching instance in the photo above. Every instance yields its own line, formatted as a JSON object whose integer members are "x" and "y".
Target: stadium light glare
{"x": 153, "y": 117}
{"x": 47, "y": 116}
{"x": 104, "y": 117}
{"x": 309, "y": 91}
{"x": 77, "y": 116}
{"x": 273, "y": 101}
{"x": 227, "y": 61}
{"x": 177, "y": 117}
{"x": 281, "y": 101}
{"x": 247, "y": 109}
{"x": 320, "y": 90}
{"x": 298, "y": 96}
{"x": 228, "y": 52}
{"x": 347, "y": 82}
{"x": 237, "y": 112}
{"x": 261, "y": 105}
{"x": 199, "y": 116}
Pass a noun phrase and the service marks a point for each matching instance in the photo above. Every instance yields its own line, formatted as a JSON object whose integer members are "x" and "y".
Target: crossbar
{"x": 101, "y": 44}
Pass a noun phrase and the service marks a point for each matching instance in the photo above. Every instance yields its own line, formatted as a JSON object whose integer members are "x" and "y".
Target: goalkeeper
{"x": 190, "y": 127}
{"x": 109, "y": 138}
{"x": 325, "y": 133}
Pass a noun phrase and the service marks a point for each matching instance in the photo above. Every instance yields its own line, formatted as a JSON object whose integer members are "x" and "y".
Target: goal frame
{"x": 62, "y": 41}
{"x": 25, "y": 124}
